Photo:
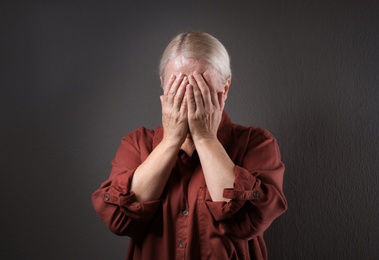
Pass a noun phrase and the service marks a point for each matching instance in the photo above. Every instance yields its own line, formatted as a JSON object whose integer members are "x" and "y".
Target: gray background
{"x": 78, "y": 75}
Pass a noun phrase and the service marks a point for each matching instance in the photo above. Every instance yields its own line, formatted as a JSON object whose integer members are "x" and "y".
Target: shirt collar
{"x": 223, "y": 133}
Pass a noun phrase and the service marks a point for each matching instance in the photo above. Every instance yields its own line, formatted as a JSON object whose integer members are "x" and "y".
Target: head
{"x": 200, "y": 48}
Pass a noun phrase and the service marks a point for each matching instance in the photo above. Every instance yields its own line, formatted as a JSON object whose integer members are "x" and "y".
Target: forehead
{"x": 187, "y": 66}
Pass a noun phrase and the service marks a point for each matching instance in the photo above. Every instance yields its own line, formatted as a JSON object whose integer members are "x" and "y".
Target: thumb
{"x": 161, "y": 99}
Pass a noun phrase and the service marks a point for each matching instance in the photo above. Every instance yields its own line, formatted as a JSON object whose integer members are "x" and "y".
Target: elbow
{"x": 272, "y": 205}
{"x": 117, "y": 226}
{"x": 262, "y": 216}
{"x": 110, "y": 214}
{"x": 281, "y": 205}
{"x": 273, "y": 208}
{"x": 115, "y": 220}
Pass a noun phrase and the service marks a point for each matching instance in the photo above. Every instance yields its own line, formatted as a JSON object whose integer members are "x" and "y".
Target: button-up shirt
{"x": 185, "y": 223}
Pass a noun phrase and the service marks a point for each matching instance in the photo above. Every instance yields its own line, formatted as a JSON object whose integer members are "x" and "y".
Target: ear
{"x": 226, "y": 88}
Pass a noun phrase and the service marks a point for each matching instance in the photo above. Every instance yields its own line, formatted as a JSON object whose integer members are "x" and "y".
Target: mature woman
{"x": 199, "y": 186}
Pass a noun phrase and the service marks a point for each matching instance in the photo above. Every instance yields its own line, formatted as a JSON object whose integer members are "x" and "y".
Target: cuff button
{"x": 106, "y": 197}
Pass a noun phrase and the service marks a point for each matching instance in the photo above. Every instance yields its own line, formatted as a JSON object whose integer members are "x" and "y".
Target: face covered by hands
{"x": 193, "y": 100}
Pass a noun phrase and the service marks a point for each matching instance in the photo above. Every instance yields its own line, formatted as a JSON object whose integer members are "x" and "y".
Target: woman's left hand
{"x": 205, "y": 106}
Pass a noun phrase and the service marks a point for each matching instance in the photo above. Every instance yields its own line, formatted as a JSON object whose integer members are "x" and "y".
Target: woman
{"x": 199, "y": 186}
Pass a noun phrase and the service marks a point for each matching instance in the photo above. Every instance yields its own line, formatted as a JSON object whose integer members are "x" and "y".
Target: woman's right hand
{"x": 150, "y": 177}
{"x": 174, "y": 109}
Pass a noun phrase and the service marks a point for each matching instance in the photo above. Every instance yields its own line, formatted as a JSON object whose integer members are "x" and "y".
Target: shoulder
{"x": 252, "y": 132}
{"x": 250, "y": 145}
{"x": 260, "y": 148}
{"x": 139, "y": 136}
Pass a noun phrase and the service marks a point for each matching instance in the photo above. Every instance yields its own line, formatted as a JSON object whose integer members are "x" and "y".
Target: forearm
{"x": 217, "y": 166}
{"x": 151, "y": 176}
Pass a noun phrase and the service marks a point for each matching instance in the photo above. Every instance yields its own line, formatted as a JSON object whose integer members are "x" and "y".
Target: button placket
{"x": 182, "y": 229}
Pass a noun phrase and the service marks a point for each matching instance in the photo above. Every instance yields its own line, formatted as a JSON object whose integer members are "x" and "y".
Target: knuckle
{"x": 197, "y": 93}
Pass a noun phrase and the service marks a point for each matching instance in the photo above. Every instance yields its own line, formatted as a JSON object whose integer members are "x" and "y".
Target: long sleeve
{"x": 257, "y": 197}
{"x": 185, "y": 221}
{"x": 114, "y": 201}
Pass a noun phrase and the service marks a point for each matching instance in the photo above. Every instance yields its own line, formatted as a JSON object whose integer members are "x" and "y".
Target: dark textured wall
{"x": 78, "y": 75}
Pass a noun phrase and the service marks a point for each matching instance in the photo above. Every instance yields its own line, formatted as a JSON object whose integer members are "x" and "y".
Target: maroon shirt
{"x": 185, "y": 223}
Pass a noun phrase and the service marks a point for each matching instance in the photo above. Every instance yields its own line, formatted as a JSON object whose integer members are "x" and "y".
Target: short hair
{"x": 198, "y": 46}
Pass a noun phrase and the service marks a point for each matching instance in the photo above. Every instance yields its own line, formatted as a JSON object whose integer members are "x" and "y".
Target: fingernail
{"x": 185, "y": 78}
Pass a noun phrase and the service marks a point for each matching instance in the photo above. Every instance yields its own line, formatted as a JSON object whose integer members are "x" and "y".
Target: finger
{"x": 212, "y": 89}
{"x": 198, "y": 97}
{"x": 191, "y": 104}
{"x": 179, "y": 95}
{"x": 205, "y": 90}
{"x": 171, "y": 87}
{"x": 163, "y": 100}
{"x": 183, "y": 106}
{"x": 192, "y": 81}
{"x": 175, "y": 85}
{"x": 168, "y": 85}
{"x": 215, "y": 97}
{"x": 193, "y": 86}
{"x": 163, "y": 104}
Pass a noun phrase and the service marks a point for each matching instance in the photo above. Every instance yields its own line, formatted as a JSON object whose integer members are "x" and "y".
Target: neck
{"x": 188, "y": 146}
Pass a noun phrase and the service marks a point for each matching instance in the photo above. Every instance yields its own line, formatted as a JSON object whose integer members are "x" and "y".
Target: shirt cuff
{"x": 119, "y": 200}
{"x": 141, "y": 210}
{"x": 246, "y": 188}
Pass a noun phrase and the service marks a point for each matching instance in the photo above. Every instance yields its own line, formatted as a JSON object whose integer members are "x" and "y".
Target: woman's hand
{"x": 149, "y": 179}
{"x": 205, "y": 107}
{"x": 174, "y": 109}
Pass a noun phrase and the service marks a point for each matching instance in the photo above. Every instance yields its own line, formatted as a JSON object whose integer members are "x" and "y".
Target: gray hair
{"x": 198, "y": 46}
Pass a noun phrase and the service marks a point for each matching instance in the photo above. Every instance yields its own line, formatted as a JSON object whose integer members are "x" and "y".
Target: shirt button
{"x": 256, "y": 194}
{"x": 106, "y": 197}
{"x": 182, "y": 244}
{"x": 185, "y": 213}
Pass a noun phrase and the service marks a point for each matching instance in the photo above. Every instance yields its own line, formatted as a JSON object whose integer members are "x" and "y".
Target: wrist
{"x": 171, "y": 142}
{"x": 204, "y": 139}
